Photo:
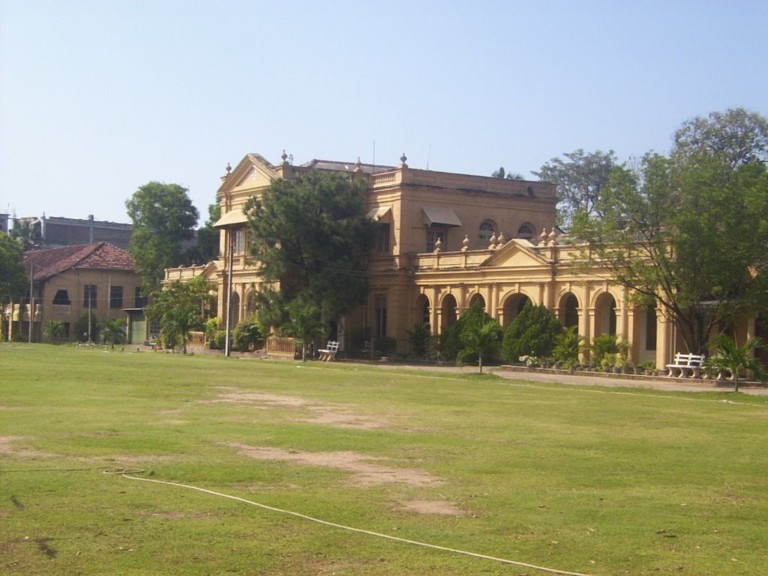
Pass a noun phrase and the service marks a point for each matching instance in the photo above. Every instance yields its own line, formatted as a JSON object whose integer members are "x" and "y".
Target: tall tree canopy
{"x": 580, "y": 179}
{"x": 180, "y": 308}
{"x": 735, "y": 136}
{"x": 163, "y": 218}
{"x": 311, "y": 235}
{"x": 688, "y": 233}
{"x": 13, "y": 277}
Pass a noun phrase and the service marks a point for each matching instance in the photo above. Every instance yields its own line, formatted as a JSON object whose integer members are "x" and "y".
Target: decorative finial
{"x": 358, "y": 165}
{"x": 228, "y": 170}
{"x": 438, "y": 246}
{"x": 403, "y": 160}
{"x": 284, "y": 157}
{"x": 493, "y": 241}
{"x": 502, "y": 240}
{"x": 465, "y": 243}
{"x": 552, "y": 237}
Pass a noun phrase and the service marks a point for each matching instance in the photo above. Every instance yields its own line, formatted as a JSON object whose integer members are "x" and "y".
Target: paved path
{"x": 607, "y": 380}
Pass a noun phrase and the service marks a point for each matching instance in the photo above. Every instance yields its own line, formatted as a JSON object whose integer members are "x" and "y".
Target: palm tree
{"x": 304, "y": 324}
{"x": 113, "y": 332}
{"x": 735, "y": 358}
{"x": 482, "y": 338}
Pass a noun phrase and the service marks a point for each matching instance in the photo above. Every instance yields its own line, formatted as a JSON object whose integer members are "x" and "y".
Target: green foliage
{"x": 180, "y": 308}
{"x": 215, "y": 336}
{"x": 568, "y": 346}
{"x": 386, "y": 346}
{"x": 580, "y": 180}
{"x": 531, "y": 333}
{"x": 13, "y": 277}
{"x": 358, "y": 340}
{"x": 206, "y": 246}
{"x": 113, "y": 332}
{"x": 54, "y": 331}
{"x": 84, "y": 327}
{"x": 481, "y": 338}
{"x": 419, "y": 339}
{"x": 736, "y": 358}
{"x": 163, "y": 218}
{"x": 311, "y": 235}
{"x": 304, "y": 324}
{"x": 450, "y": 343}
{"x": 247, "y": 335}
{"x": 607, "y": 351}
{"x": 688, "y": 232}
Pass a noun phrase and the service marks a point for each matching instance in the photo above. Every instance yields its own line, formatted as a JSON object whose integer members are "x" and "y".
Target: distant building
{"x": 4, "y": 223}
{"x": 55, "y": 232}
{"x": 67, "y": 283}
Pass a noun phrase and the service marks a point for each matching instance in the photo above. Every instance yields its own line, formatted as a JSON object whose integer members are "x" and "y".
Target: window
{"x": 61, "y": 298}
{"x": 90, "y": 297}
{"x": 487, "y": 229}
{"x": 435, "y": 233}
{"x": 116, "y": 297}
{"x": 238, "y": 242}
{"x": 383, "y": 239}
{"x": 526, "y": 231}
{"x": 380, "y": 314}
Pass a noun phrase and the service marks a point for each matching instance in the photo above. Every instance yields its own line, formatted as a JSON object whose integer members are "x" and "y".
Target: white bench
{"x": 328, "y": 354}
{"x": 685, "y": 363}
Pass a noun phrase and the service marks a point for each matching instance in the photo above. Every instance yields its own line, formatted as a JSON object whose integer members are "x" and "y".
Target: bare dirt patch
{"x": 327, "y": 414}
{"x": 432, "y": 507}
{"x": 8, "y": 445}
{"x": 364, "y": 469}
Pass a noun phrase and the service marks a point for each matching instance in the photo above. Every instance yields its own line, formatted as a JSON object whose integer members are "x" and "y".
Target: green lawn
{"x": 578, "y": 479}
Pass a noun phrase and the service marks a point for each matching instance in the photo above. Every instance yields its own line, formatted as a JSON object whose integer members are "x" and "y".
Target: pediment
{"x": 516, "y": 253}
{"x": 253, "y": 172}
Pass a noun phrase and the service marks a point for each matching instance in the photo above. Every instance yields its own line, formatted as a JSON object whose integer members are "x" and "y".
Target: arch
{"x": 448, "y": 311}
{"x": 605, "y": 314}
{"x": 486, "y": 230}
{"x": 569, "y": 310}
{"x": 477, "y": 298}
{"x": 423, "y": 310}
{"x": 251, "y": 302}
{"x": 526, "y": 231}
{"x": 513, "y": 305}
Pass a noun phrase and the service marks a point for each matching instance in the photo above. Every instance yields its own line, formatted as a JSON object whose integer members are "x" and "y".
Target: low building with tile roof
{"x": 96, "y": 280}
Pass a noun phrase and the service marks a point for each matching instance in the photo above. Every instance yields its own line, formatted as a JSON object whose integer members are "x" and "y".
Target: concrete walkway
{"x": 595, "y": 379}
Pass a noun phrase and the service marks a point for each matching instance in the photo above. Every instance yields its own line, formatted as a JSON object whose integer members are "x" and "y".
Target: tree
{"x": 310, "y": 236}
{"x": 26, "y": 233}
{"x": 531, "y": 333}
{"x": 206, "y": 246}
{"x": 688, "y": 233}
{"x": 13, "y": 276}
{"x": 480, "y": 337}
{"x": 735, "y": 358}
{"x": 580, "y": 179}
{"x": 568, "y": 346}
{"x": 113, "y": 332}
{"x": 247, "y": 334}
{"x": 163, "y": 219}
{"x": 305, "y": 324}
{"x": 54, "y": 331}
{"x": 736, "y": 136}
{"x": 180, "y": 308}
{"x": 501, "y": 173}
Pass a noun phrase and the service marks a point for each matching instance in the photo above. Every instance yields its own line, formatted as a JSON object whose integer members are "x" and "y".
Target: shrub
{"x": 54, "y": 331}
{"x": 419, "y": 339}
{"x": 532, "y": 333}
{"x": 608, "y": 351}
{"x": 568, "y": 345}
{"x": 451, "y": 343}
{"x": 247, "y": 335}
{"x": 386, "y": 345}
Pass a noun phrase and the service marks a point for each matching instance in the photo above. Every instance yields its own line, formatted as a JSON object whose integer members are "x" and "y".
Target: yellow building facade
{"x": 445, "y": 241}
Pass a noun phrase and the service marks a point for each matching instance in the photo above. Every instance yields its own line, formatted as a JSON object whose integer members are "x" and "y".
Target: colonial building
{"x": 445, "y": 241}
{"x": 68, "y": 283}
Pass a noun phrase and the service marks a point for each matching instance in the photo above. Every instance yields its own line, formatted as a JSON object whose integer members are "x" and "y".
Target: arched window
{"x": 487, "y": 229}
{"x": 526, "y": 231}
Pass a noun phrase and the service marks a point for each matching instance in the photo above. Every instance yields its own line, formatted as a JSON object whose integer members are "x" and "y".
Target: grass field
{"x": 582, "y": 480}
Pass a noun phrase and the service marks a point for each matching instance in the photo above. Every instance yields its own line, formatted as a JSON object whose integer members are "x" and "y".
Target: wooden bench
{"x": 328, "y": 354}
{"x": 685, "y": 363}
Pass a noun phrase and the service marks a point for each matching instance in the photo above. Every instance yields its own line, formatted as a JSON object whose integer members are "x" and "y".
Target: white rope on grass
{"x": 351, "y": 529}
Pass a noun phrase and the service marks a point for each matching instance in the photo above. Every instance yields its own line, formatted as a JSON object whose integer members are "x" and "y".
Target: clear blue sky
{"x": 98, "y": 97}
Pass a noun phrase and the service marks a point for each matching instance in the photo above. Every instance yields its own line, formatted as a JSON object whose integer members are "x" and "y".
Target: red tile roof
{"x": 43, "y": 264}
